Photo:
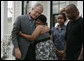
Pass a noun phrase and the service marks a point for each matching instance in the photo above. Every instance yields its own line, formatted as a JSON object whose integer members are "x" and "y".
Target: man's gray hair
{"x": 38, "y": 5}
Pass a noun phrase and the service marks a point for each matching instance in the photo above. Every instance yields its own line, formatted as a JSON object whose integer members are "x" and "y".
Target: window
{"x": 56, "y": 6}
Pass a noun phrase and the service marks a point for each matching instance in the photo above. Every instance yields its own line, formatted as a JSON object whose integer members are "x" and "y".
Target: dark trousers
{"x": 72, "y": 56}
{"x": 31, "y": 53}
{"x": 18, "y": 59}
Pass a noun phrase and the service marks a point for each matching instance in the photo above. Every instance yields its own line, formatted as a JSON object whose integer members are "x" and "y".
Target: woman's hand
{"x": 61, "y": 52}
{"x": 20, "y": 33}
{"x": 45, "y": 29}
{"x": 60, "y": 55}
{"x": 64, "y": 56}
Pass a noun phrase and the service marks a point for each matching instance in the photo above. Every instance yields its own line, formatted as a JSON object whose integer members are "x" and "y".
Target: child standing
{"x": 58, "y": 34}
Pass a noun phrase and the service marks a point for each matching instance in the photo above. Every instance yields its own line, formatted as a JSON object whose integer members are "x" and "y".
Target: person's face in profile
{"x": 68, "y": 13}
{"x": 36, "y": 12}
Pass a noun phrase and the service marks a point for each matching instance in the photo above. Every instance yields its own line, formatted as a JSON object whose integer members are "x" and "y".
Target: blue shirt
{"x": 59, "y": 36}
{"x": 31, "y": 22}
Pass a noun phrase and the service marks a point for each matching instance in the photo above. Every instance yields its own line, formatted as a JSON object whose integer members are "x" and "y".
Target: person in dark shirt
{"x": 74, "y": 34}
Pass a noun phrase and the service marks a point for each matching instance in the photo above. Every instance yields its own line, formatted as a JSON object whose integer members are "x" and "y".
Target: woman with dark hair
{"x": 58, "y": 35}
{"x": 43, "y": 45}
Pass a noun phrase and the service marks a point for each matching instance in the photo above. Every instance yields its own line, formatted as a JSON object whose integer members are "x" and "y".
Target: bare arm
{"x": 58, "y": 52}
{"x": 64, "y": 56}
{"x": 52, "y": 38}
{"x": 34, "y": 35}
{"x": 81, "y": 54}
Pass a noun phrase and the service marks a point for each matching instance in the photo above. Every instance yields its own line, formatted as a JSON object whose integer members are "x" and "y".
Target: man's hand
{"x": 81, "y": 55}
{"x": 18, "y": 53}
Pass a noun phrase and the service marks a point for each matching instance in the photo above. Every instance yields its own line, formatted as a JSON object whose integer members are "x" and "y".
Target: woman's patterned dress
{"x": 45, "y": 50}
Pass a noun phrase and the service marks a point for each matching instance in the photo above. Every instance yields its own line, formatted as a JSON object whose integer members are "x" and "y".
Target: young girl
{"x": 58, "y": 34}
{"x": 44, "y": 46}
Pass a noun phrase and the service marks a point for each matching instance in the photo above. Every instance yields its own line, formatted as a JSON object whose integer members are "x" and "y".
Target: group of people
{"x": 34, "y": 40}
